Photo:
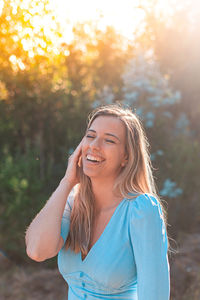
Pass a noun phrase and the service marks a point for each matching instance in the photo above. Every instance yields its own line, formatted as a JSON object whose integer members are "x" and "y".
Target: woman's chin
{"x": 90, "y": 173}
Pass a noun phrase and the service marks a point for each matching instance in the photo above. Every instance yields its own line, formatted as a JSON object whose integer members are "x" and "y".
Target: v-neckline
{"x": 103, "y": 233}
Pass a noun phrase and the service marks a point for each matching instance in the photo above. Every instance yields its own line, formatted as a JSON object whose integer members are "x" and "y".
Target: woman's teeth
{"x": 93, "y": 158}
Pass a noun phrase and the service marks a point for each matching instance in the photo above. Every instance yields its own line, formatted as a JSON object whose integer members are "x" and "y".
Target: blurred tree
{"x": 172, "y": 40}
{"x": 46, "y": 90}
{"x": 147, "y": 91}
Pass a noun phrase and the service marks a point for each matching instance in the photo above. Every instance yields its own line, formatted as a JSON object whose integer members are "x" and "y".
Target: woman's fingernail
{"x": 79, "y": 161}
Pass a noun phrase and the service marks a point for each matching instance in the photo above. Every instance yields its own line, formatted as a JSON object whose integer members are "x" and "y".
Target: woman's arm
{"x": 43, "y": 236}
{"x": 43, "y": 239}
{"x": 150, "y": 246}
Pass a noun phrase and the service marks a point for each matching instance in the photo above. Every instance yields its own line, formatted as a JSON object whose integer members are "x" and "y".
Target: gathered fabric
{"x": 128, "y": 261}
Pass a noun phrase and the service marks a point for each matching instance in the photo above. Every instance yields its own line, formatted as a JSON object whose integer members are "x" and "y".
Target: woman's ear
{"x": 125, "y": 161}
{"x": 126, "y": 157}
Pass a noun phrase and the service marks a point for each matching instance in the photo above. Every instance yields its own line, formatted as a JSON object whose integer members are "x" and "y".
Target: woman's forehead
{"x": 108, "y": 124}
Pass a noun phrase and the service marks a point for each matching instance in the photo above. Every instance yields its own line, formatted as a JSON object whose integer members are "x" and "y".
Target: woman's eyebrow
{"x": 110, "y": 134}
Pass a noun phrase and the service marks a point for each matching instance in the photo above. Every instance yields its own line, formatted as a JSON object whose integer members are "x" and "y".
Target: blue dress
{"x": 128, "y": 261}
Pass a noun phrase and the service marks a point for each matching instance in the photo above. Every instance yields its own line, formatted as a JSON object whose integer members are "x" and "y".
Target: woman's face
{"x": 103, "y": 150}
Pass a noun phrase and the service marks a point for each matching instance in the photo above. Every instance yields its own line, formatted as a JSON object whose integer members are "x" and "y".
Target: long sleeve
{"x": 65, "y": 222}
{"x": 149, "y": 242}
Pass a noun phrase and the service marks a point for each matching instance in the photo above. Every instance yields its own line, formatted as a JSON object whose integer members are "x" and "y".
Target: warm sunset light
{"x": 122, "y": 15}
{"x": 60, "y": 60}
{"x": 125, "y": 16}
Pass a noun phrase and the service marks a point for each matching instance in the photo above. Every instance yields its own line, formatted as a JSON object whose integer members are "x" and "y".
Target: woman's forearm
{"x": 43, "y": 234}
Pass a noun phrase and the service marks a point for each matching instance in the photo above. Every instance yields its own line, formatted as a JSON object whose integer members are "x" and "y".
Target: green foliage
{"x": 47, "y": 90}
{"x": 176, "y": 48}
{"x": 172, "y": 143}
{"x": 21, "y": 195}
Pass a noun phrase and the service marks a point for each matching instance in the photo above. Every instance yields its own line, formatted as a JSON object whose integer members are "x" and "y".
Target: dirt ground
{"x": 36, "y": 283}
{"x": 185, "y": 269}
{"x": 28, "y": 283}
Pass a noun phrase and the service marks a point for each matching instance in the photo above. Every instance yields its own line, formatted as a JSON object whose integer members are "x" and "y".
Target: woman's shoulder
{"x": 70, "y": 198}
{"x": 144, "y": 204}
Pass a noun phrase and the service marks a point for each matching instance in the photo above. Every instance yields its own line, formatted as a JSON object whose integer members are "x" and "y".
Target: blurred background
{"x": 58, "y": 61}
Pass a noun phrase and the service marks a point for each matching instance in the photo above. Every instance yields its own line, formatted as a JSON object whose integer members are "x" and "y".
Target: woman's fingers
{"x": 74, "y": 161}
{"x": 78, "y": 149}
{"x": 79, "y": 161}
{"x": 77, "y": 152}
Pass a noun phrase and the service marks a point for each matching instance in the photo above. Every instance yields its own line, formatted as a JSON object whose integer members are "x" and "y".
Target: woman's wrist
{"x": 66, "y": 183}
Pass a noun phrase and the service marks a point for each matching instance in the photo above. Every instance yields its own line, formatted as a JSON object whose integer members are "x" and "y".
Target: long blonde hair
{"x": 135, "y": 177}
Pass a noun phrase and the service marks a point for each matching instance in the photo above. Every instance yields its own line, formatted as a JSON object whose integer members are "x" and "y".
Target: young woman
{"x": 105, "y": 220}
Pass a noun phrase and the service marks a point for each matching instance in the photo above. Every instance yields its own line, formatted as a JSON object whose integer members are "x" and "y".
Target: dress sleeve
{"x": 149, "y": 242}
{"x": 65, "y": 222}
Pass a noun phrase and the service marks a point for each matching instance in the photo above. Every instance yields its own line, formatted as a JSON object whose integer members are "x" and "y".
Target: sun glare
{"x": 119, "y": 14}
{"x": 125, "y": 16}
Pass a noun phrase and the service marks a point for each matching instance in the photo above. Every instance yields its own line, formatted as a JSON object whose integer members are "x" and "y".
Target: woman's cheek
{"x": 84, "y": 145}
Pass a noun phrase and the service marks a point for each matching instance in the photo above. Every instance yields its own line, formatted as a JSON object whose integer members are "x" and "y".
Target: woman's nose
{"x": 95, "y": 144}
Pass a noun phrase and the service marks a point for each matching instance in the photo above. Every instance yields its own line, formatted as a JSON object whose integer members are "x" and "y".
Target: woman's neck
{"x": 104, "y": 196}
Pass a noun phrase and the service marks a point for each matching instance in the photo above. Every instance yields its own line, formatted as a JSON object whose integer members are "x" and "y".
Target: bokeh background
{"x": 58, "y": 61}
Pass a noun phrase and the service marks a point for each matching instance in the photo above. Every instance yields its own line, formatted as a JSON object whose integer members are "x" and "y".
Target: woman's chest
{"x": 110, "y": 261}
{"x": 100, "y": 223}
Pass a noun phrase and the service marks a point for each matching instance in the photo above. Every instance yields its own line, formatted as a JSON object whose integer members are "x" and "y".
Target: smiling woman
{"x": 105, "y": 220}
{"x": 107, "y": 154}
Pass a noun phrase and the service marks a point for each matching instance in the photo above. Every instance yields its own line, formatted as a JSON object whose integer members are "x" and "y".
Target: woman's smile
{"x": 103, "y": 148}
{"x": 93, "y": 163}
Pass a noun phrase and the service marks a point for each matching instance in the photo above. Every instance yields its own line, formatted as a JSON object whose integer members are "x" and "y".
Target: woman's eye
{"x": 92, "y": 137}
{"x": 110, "y": 141}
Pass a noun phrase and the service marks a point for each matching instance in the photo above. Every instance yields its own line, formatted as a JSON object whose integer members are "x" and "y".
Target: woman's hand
{"x": 74, "y": 162}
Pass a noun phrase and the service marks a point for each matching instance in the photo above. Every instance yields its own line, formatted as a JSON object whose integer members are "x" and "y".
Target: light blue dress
{"x": 128, "y": 261}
